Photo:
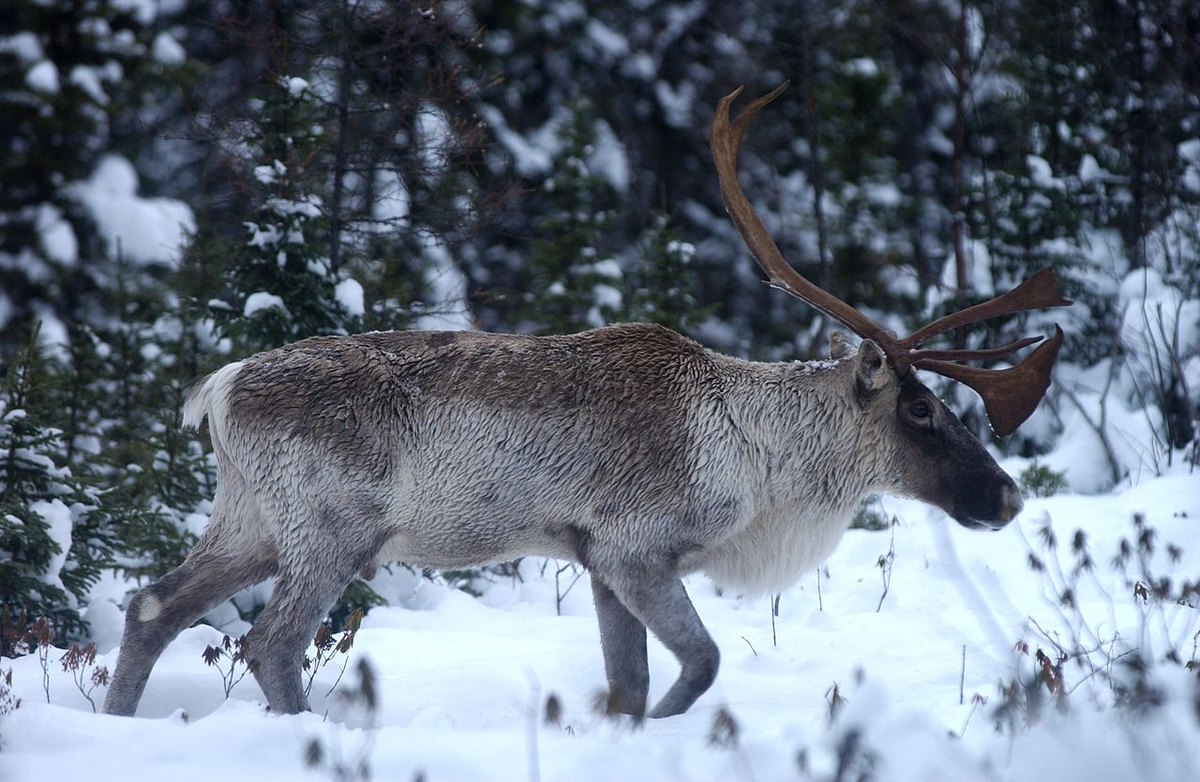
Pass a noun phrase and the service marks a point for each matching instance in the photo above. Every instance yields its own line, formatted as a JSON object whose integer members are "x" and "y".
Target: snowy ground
{"x": 462, "y": 682}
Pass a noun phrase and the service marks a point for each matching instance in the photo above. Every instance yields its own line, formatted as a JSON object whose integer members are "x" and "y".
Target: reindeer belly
{"x": 773, "y": 553}
{"x": 464, "y": 537}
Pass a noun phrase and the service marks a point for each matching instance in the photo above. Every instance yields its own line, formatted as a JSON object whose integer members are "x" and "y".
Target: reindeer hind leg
{"x": 159, "y": 612}
{"x": 300, "y": 600}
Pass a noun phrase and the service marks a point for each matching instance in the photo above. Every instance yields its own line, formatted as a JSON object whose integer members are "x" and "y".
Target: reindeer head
{"x": 951, "y": 469}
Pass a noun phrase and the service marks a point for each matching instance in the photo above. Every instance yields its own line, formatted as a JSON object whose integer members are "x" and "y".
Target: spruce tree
{"x": 54, "y": 544}
{"x": 572, "y": 284}
{"x": 658, "y": 277}
{"x": 279, "y": 284}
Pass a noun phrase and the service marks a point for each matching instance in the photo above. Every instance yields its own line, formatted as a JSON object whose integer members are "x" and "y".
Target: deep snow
{"x": 462, "y": 681}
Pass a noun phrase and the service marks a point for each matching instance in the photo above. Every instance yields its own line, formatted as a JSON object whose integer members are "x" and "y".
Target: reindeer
{"x": 629, "y": 449}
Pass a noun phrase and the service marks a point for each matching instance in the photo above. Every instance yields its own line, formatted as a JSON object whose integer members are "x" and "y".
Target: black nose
{"x": 990, "y": 507}
{"x": 1011, "y": 502}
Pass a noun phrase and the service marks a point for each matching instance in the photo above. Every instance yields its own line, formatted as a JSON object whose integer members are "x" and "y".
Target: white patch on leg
{"x": 151, "y": 608}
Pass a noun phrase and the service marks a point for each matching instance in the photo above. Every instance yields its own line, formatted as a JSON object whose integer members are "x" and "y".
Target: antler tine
{"x": 1009, "y": 395}
{"x": 1040, "y": 291}
{"x": 725, "y": 139}
{"x": 965, "y": 355}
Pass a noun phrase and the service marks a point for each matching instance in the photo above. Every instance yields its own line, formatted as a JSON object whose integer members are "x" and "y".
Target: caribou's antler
{"x": 1009, "y": 395}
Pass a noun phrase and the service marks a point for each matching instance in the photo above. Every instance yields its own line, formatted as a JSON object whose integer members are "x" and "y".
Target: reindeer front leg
{"x": 623, "y": 639}
{"x": 657, "y": 599}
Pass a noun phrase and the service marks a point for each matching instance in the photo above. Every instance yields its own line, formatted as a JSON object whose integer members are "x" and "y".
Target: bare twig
{"x": 962, "y": 677}
{"x": 1100, "y": 427}
{"x": 235, "y": 651}
{"x": 559, "y": 593}
{"x": 885, "y": 564}
{"x": 977, "y": 700}
{"x": 1111, "y": 660}
{"x": 42, "y": 634}
{"x": 79, "y": 661}
{"x": 531, "y": 731}
{"x": 774, "y": 613}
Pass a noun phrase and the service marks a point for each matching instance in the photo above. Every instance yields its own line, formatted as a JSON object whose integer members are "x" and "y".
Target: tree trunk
{"x": 958, "y": 195}
{"x": 816, "y": 172}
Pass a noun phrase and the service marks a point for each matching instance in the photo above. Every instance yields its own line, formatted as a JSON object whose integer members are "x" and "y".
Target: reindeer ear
{"x": 840, "y": 345}
{"x": 872, "y": 369}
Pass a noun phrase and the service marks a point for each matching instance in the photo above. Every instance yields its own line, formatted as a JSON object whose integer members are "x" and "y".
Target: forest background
{"x": 184, "y": 183}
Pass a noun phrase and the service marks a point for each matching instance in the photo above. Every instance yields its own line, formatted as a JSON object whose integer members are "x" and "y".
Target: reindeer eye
{"x": 920, "y": 409}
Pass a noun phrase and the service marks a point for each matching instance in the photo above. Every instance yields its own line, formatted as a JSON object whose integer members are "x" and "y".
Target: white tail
{"x": 212, "y": 390}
